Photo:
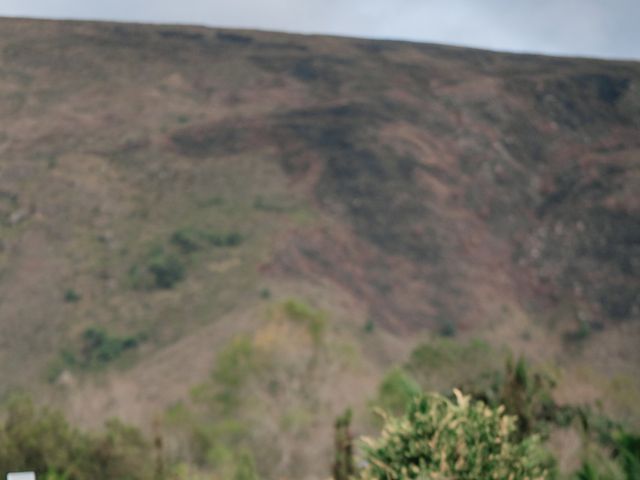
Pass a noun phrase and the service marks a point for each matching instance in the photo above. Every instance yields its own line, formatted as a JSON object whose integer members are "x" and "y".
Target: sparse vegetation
{"x": 444, "y": 363}
{"x": 190, "y": 240}
{"x": 460, "y": 437}
{"x": 165, "y": 174}
{"x": 301, "y": 312}
{"x": 213, "y": 425}
{"x": 265, "y": 293}
{"x": 95, "y": 349}
{"x": 448, "y": 329}
{"x": 165, "y": 264}
{"x": 71, "y": 296}
{"x": 161, "y": 269}
{"x": 166, "y": 269}
{"x": 583, "y": 331}
{"x": 369, "y": 326}
{"x": 100, "y": 348}
{"x": 266, "y": 205}
{"x": 233, "y": 366}
{"x": 231, "y": 239}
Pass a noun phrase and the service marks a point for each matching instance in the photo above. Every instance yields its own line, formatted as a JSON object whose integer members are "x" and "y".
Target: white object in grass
{"x": 21, "y": 476}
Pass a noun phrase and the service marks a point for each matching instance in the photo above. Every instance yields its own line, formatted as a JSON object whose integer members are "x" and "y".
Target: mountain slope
{"x": 171, "y": 188}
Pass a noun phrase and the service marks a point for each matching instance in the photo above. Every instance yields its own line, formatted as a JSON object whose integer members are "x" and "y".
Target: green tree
{"x": 440, "y": 439}
{"x": 245, "y": 467}
{"x": 41, "y": 440}
{"x": 343, "y": 467}
{"x": 396, "y": 391}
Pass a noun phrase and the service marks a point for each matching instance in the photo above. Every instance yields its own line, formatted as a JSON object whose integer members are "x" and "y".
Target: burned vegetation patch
{"x": 234, "y": 38}
{"x": 591, "y": 243}
{"x": 365, "y": 179}
{"x": 582, "y": 100}
{"x": 182, "y": 35}
{"x": 621, "y": 301}
{"x": 207, "y": 140}
{"x": 612, "y": 238}
{"x": 321, "y": 70}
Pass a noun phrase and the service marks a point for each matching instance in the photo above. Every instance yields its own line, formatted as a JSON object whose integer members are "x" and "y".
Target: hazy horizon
{"x": 588, "y": 28}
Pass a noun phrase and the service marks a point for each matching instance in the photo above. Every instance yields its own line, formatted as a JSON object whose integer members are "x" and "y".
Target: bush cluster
{"x": 190, "y": 239}
{"x": 160, "y": 269}
{"x": 164, "y": 265}
{"x": 315, "y": 320}
{"x": 99, "y": 348}
{"x": 43, "y": 441}
{"x": 396, "y": 391}
{"x": 95, "y": 349}
{"x": 441, "y": 439}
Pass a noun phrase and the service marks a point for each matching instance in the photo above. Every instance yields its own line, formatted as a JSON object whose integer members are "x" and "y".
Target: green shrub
{"x": 265, "y": 293}
{"x": 581, "y": 333}
{"x": 214, "y": 427}
{"x": 442, "y": 364}
{"x": 446, "y": 353}
{"x": 526, "y": 393}
{"x": 235, "y": 364}
{"x": 315, "y": 320}
{"x": 627, "y": 452}
{"x": 610, "y": 451}
{"x": 231, "y": 239}
{"x": 71, "y": 296}
{"x": 41, "y": 440}
{"x": 99, "y": 348}
{"x": 369, "y": 326}
{"x": 66, "y": 359}
{"x": 448, "y": 329}
{"x": 212, "y": 438}
{"x": 96, "y": 348}
{"x": 396, "y": 391}
{"x": 160, "y": 269}
{"x": 343, "y": 465}
{"x": 245, "y": 467}
{"x": 274, "y": 205}
{"x": 167, "y": 269}
{"x": 440, "y": 439}
{"x": 600, "y": 469}
{"x": 165, "y": 263}
{"x": 189, "y": 239}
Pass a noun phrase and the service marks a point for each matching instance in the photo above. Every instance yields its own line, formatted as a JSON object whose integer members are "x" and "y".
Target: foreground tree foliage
{"x": 41, "y": 440}
{"x": 445, "y": 440}
{"x": 343, "y": 466}
{"x": 436, "y": 439}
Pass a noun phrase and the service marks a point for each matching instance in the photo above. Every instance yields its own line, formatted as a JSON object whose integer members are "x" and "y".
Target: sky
{"x": 594, "y": 28}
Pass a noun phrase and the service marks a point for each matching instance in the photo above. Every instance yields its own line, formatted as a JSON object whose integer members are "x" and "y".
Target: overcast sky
{"x": 601, "y": 28}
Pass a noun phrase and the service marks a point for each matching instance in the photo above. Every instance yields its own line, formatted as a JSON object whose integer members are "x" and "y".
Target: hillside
{"x": 168, "y": 194}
